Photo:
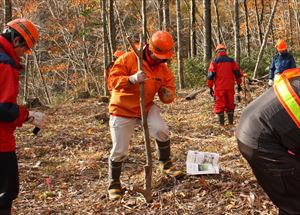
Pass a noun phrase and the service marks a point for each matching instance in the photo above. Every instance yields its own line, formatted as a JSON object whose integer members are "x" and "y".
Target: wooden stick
{"x": 245, "y": 93}
{"x": 148, "y": 167}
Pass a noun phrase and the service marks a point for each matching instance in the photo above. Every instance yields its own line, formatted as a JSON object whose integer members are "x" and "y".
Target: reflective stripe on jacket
{"x": 11, "y": 114}
{"x": 125, "y": 96}
{"x": 287, "y": 96}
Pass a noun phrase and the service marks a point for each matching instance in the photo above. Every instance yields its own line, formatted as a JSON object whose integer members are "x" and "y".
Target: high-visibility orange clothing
{"x": 125, "y": 96}
{"x": 106, "y": 74}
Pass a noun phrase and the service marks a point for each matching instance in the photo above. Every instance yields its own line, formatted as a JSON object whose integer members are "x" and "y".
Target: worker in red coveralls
{"x": 18, "y": 38}
{"x": 116, "y": 55}
{"x": 223, "y": 71}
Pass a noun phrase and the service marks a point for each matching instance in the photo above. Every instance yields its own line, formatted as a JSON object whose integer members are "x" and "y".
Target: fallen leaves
{"x": 64, "y": 170}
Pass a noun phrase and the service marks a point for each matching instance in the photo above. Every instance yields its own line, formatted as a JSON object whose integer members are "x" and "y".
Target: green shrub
{"x": 194, "y": 73}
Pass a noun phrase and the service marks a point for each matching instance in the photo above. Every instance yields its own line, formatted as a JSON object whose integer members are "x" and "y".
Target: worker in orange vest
{"x": 17, "y": 39}
{"x": 268, "y": 136}
{"x": 283, "y": 60}
{"x": 124, "y": 106}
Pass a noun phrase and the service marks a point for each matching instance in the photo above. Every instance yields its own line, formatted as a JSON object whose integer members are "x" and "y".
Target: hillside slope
{"x": 64, "y": 169}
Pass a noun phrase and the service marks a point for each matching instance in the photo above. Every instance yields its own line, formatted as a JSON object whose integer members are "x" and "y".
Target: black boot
{"x": 5, "y": 211}
{"x": 114, "y": 188}
{"x": 221, "y": 118}
{"x": 230, "y": 117}
{"x": 164, "y": 150}
{"x": 166, "y": 164}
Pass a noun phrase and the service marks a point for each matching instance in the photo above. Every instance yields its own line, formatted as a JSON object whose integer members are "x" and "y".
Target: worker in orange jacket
{"x": 116, "y": 55}
{"x": 124, "y": 106}
{"x": 223, "y": 71}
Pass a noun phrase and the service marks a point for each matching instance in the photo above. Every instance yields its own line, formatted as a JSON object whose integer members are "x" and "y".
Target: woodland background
{"x": 78, "y": 38}
{"x": 64, "y": 169}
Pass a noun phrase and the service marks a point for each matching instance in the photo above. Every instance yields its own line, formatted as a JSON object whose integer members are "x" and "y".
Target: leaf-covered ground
{"x": 63, "y": 170}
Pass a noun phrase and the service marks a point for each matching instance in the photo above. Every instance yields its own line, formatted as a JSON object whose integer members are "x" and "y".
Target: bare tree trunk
{"x": 247, "y": 35}
{"x": 272, "y": 31}
{"x": 144, "y": 20}
{"x": 179, "y": 54}
{"x": 261, "y": 17}
{"x": 26, "y": 73}
{"x": 67, "y": 80}
{"x": 166, "y": 22}
{"x": 258, "y": 23}
{"x": 265, "y": 38}
{"x": 296, "y": 4}
{"x": 236, "y": 27}
{"x": 207, "y": 32}
{"x": 112, "y": 28}
{"x": 42, "y": 77}
{"x": 218, "y": 21}
{"x": 290, "y": 23}
{"x": 192, "y": 29}
{"x": 284, "y": 17}
{"x": 7, "y": 11}
{"x": 122, "y": 27}
{"x": 83, "y": 54}
{"x": 104, "y": 31}
{"x": 160, "y": 15}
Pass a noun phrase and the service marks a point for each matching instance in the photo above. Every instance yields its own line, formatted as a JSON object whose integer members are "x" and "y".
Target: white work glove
{"x": 270, "y": 83}
{"x": 138, "y": 77}
{"x": 166, "y": 93}
{"x": 37, "y": 118}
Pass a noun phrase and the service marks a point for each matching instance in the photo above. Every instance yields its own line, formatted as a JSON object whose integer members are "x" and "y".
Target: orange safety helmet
{"x": 220, "y": 46}
{"x": 118, "y": 53}
{"x": 161, "y": 44}
{"x": 281, "y": 45}
{"x": 27, "y": 30}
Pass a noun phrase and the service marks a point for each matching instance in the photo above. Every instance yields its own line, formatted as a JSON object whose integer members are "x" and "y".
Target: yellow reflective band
{"x": 288, "y": 97}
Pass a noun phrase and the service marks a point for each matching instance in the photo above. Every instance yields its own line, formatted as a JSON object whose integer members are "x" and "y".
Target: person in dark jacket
{"x": 283, "y": 60}
{"x": 268, "y": 136}
{"x": 18, "y": 38}
{"x": 223, "y": 71}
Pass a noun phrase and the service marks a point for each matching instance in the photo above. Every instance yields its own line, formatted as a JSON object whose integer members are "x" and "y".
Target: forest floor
{"x": 63, "y": 170}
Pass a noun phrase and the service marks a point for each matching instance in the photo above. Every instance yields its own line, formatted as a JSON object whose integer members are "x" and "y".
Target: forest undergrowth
{"x": 63, "y": 170}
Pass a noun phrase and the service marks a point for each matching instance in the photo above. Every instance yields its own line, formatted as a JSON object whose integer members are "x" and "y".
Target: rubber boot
{"x": 221, "y": 118}
{"x": 166, "y": 164}
{"x": 114, "y": 188}
{"x": 5, "y": 211}
{"x": 230, "y": 117}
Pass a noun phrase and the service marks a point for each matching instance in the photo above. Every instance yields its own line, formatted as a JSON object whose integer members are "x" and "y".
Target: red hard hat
{"x": 161, "y": 44}
{"x": 281, "y": 45}
{"x": 118, "y": 53}
{"x": 220, "y": 46}
{"x": 27, "y": 30}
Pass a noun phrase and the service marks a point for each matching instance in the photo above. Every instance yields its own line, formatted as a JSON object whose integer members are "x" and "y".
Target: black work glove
{"x": 211, "y": 92}
{"x": 239, "y": 88}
